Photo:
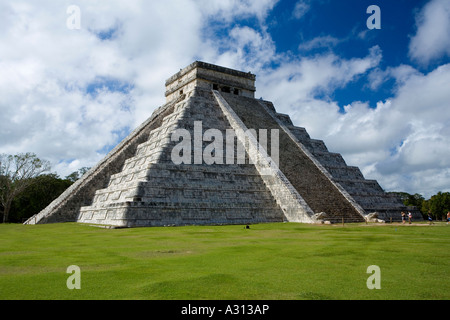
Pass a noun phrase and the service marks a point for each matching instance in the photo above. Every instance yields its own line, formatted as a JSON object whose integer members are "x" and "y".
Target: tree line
{"x": 27, "y": 186}
{"x": 437, "y": 206}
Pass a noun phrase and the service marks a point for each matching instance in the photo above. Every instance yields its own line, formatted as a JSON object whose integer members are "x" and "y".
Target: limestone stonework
{"x": 138, "y": 183}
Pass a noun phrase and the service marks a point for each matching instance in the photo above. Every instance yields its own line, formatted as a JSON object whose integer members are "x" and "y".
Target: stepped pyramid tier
{"x": 213, "y": 154}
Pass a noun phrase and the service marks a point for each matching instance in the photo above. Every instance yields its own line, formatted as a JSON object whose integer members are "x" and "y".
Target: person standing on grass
{"x": 448, "y": 217}
{"x": 403, "y": 217}
{"x": 430, "y": 219}
{"x": 409, "y": 217}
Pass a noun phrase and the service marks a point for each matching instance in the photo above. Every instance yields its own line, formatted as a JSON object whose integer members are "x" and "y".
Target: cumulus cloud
{"x": 46, "y": 72}
{"x": 400, "y": 74}
{"x": 401, "y": 142}
{"x": 423, "y": 103}
{"x": 71, "y": 95}
{"x": 303, "y": 79}
{"x": 319, "y": 42}
{"x": 432, "y": 39}
{"x": 228, "y": 10}
{"x": 300, "y": 9}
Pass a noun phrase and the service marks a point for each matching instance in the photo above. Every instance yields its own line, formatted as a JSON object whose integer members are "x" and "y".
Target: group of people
{"x": 430, "y": 218}
{"x": 404, "y": 217}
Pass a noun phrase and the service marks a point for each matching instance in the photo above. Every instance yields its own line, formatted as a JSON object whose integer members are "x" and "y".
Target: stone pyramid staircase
{"x": 153, "y": 191}
{"x": 367, "y": 194}
{"x": 306, "y": 174}
{"x": 66, "y": 208}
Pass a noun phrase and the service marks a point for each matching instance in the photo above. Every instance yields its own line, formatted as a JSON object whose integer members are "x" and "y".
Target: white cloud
{"x": 46, "y": 69}
{"x": 400, "y": 74}
{"x": 300, "y": 9}
{"x": 432, "y": 39}
{"x": 228, "y": 10}
{"x": 401, "y": 142}
{"x": 319, "y": 42}
{"x": 297, "y": 81}
{"x": 423, "y": 103}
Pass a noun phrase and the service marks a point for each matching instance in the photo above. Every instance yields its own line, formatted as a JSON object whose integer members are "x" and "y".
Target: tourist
{"x": 403, "y": 217}
{"x": 430, "y": 218}
{"x": 448, "y": 217}
{"x": 409, "y": 217}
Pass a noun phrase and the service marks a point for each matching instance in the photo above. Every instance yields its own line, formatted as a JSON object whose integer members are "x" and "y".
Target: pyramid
{"x": 213, "y": 154}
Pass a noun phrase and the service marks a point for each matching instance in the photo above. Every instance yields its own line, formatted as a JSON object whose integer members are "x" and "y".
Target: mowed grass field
{"x": 285, "y": 261}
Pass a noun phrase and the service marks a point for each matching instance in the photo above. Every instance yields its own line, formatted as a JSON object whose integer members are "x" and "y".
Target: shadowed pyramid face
{"x": 213, "y": 154}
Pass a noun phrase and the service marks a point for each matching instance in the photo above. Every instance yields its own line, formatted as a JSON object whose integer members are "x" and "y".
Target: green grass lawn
{"x": 286, "y": 261}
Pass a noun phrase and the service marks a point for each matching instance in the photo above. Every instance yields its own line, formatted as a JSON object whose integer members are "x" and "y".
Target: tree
{"x": 415, "y": 200}
{"x": 17, "y": 172}
{"x": 438, "y": 205}
{"x": 74, "y": 176}
{"x": 37, "y": 196}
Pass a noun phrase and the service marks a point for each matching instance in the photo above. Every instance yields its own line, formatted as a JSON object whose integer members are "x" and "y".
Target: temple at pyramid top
{"x": 189, "y": 164}
{"x": 208, "y": 76}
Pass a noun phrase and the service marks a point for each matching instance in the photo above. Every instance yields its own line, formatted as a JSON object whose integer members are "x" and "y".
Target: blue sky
{"x": 342, "y": 27}
{"x": 379, "y": 97}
